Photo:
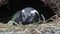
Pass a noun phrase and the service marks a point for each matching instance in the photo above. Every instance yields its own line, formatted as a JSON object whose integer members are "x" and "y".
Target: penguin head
{"x": 30, "y": 14}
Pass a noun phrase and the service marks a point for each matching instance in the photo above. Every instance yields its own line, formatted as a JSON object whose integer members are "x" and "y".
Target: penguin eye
{"x": 23, "y": 14}
{"x": 31, "y": 14}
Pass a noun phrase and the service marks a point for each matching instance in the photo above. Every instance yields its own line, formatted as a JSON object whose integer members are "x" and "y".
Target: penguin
{"x": 26, "y": 16}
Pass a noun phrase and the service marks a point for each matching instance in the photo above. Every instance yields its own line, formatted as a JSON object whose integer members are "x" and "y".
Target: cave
{"x": 7, "y": 10}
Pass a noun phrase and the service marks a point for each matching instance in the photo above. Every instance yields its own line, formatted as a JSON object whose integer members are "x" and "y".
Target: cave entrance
{"x": 7, "y": 10}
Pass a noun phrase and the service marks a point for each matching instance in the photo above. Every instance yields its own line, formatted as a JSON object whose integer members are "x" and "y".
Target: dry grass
{"x": 31, "y": 28}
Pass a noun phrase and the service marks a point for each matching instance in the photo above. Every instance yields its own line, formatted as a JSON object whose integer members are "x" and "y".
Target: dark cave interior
{"x": 7, "y": 10}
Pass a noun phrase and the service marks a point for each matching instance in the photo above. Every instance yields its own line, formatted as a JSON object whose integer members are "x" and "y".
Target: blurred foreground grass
{"x": 34, "y": 28}
{"x": 30, "y": 28}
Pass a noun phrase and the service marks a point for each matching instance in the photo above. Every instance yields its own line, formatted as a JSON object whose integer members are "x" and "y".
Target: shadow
{"x": 7, "y": 10}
